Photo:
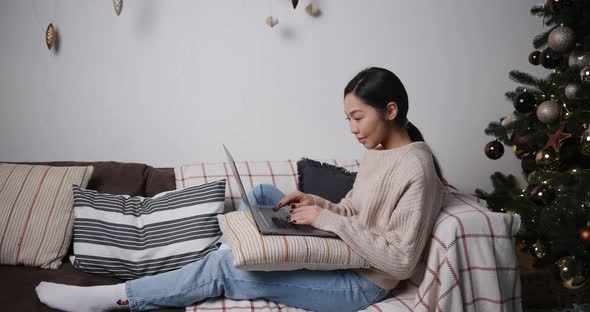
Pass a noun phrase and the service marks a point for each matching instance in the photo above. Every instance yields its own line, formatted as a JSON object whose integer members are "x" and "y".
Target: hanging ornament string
{"x": 271, "y": 21}
{"x": 49, "y": 30}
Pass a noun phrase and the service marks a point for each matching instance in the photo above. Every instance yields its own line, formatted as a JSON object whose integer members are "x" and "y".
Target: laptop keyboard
{"x": 281, "y": 222}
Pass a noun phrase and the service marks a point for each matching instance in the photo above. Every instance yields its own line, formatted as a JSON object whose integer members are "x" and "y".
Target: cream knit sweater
{"x": 387, "y": 217}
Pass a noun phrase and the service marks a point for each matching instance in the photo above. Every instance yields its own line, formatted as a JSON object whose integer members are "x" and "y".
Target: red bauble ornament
{"x": 535, "y": 58}
{"x": 585, "y": 236}
{"x": 556, "y": 5}
{"x": 494, "y": 150}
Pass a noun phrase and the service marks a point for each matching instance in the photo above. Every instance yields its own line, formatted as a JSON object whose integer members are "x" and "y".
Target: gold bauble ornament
{"x": 520, "y": 153}
{"x": 539, "y": 250}
{"x": 50, "y": 36}
{"x": 548, "y": 159}
{"x": 572, "y": 272}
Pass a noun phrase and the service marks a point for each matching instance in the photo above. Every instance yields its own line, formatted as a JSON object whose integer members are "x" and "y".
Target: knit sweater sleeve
{"x": 344, "y": 208}
{"x": 396, "y": 249}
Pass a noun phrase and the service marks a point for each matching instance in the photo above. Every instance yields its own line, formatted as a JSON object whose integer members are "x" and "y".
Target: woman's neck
{"x": 397, "y": 138}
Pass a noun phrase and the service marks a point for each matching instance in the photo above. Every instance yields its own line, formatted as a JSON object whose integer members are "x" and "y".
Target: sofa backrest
{"x": 122, "y": 178}
{"x": 281, "y": 174}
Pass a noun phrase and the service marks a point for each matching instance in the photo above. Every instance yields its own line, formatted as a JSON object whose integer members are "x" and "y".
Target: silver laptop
{"x": 269, "y": 221}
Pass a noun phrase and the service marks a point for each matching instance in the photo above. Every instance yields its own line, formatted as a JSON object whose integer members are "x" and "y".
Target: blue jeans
{"x": 215, "y": 275}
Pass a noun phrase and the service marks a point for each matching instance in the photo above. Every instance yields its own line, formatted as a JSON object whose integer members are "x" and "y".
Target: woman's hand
{"x": 296, "y": 199}
{"x": 305, "y": 214}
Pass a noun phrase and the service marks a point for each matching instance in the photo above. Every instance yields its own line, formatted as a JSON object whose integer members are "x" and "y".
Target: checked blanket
{"x": 469, "y": 264}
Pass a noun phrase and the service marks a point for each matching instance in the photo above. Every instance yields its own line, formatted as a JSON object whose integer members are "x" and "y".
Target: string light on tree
{"x": 585, "y": 75}
{"x": 585, "y": 236}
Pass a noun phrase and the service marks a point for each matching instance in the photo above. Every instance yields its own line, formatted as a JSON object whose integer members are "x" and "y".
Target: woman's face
{"x": 366, "y": 122}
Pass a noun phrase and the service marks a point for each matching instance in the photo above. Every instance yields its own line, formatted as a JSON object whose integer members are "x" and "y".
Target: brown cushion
{"x": 158, "y": 180}
{"x": 120, "y": 178}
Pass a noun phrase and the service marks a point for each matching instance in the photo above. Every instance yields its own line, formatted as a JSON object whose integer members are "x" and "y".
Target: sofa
{"x": 470, "y": 263}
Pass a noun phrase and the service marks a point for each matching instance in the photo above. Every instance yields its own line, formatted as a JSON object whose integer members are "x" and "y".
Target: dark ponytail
{"x": 377, "y": 87}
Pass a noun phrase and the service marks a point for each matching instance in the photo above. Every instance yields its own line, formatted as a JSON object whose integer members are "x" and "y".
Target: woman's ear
{"x": 391, "y": 111}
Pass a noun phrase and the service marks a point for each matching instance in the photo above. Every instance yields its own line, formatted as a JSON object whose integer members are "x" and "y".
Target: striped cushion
{"x": 36, "y": 213}
{"x": 255, "y": 252}
{"x": 130, "y": 237}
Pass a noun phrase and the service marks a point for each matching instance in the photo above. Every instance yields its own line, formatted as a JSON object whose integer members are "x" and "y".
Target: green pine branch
{"x": 525, "y": 78}
{"x": 540, "y": 41}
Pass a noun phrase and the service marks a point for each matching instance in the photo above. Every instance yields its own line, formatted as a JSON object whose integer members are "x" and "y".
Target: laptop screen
{"x": 234, "y": 170}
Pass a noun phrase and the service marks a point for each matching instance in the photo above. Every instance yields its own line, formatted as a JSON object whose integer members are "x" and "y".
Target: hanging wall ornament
{"x": 295, "y": 2}
{"x": 585, "y": 75}
{"x": 549, "y": 59}
{"x": 494, "y": 150}
{"x": 579, "y": 58}
{"x": 561, "y": 39}
{"x": 272, "y": 21}
{"x": 525, "y": 102}
{"x": 118, "y": 4}
{"x": 534, "y": 58}
{"x": 312, "y": 9}
{"x": 548, "y": 112}
{"x": 50, "y": 35}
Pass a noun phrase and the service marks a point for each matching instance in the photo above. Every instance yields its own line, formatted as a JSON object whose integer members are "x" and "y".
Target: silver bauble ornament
{"x": 574, "y": 91}
{"x": 585, "y": 142}
{"x": 548, "y": 112}
{"x": 578, "y": 58}
{"x": 585, "y": 75}
{"x": 561, "y": 39}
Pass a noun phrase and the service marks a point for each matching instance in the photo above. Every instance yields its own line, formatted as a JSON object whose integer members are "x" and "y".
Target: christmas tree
{"x": 549, "y": 131}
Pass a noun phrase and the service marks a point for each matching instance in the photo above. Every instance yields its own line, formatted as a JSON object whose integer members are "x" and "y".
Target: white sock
{"x": 83, "y": 299}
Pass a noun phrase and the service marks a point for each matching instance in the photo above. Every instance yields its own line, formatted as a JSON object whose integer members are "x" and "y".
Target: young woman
{"x": 387, "y": 218}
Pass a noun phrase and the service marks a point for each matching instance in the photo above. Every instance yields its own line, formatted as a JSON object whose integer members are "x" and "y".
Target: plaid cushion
{"x": 469, "y": 265}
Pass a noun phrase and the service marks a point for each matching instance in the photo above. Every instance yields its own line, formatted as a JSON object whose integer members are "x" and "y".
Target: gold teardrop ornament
{"x": 50, "y": 36}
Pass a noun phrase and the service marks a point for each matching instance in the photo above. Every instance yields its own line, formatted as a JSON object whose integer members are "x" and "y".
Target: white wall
{"x": 168, "y": 81}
